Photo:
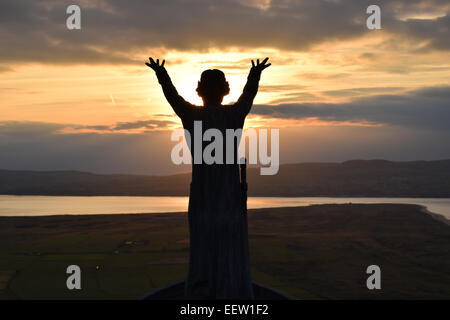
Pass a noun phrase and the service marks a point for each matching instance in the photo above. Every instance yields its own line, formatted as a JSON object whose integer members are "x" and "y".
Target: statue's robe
{"x": 219, "y": 256}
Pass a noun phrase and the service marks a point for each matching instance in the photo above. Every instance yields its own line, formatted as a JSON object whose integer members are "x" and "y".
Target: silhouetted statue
{"x": 219, "y": 256}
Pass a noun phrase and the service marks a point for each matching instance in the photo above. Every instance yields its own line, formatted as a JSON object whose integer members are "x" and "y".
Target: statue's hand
{"x": 259, "y": 67}
{"x": 155, "y": 65}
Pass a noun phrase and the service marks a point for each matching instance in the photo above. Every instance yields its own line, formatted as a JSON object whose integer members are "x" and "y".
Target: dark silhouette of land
{"x": 374, "y": 178}
{"x": 316, "y": 252}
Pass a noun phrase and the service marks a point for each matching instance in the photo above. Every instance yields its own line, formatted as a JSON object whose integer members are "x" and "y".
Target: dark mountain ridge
{"x": 358, "y": 178}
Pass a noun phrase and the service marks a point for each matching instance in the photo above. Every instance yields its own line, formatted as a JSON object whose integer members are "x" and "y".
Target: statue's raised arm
{"x": 178, "y": 104}
{"x": 245, "y": 101}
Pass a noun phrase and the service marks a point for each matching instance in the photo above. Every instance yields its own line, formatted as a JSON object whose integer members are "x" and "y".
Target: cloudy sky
{"x": 84, "y": 100}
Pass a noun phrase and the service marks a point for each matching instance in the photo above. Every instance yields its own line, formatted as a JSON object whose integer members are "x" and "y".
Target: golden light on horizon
{"x": 108, "y": 94}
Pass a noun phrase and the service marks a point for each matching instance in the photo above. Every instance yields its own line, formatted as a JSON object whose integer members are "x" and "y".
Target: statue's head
{"x": 212, "y": 86}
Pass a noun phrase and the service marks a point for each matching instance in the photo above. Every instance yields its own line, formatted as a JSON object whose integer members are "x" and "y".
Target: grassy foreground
{"x": 316, "y": 252}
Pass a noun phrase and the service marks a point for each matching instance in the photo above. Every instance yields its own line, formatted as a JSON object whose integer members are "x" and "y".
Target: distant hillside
{"x": 350, "y": 178}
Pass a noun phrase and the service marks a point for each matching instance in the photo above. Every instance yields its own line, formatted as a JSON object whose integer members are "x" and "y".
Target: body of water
{"x": 56, "y": 205}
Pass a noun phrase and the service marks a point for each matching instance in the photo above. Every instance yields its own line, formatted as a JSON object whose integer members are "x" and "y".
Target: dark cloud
{"x": 294, "y": 96}
{"x": 29, "y": 128}
{"x": 123, "y": 126}
{"x": 360, "y": 91}
{"x": 424, "y": 108}
{"x": 315, "y": 76}
{"x": 43, "y": 128}
{"x": 113, "y": 29}
{"x": 279, "y": 87}
{"x": 147, "y": 124}
{"x": 41, "y": 146}
{"x": 5, "y": 69}
{"x": 434, "y": 32}
{"x": 96, "y": 128}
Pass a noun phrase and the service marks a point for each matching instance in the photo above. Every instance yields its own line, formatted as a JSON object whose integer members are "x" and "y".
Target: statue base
{"x": 175, "y": 291}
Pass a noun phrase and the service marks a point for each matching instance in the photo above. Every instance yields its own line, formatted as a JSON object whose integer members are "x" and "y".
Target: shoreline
{"x": 436, "y": 216}
{"x": 423, "y": 208}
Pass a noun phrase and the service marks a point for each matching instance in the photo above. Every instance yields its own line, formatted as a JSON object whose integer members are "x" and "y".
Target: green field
{"x": 316, "y": 252}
